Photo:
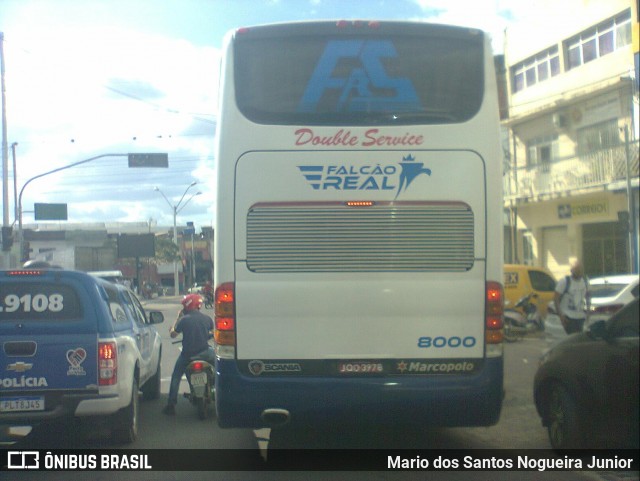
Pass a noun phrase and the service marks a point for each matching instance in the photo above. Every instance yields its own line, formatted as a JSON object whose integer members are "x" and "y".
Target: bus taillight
{"x": 494, "y": 303}
{"x": 225, "y": 314}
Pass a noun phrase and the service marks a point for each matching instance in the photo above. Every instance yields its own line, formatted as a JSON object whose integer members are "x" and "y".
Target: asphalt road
{"x": 519, "y": 428}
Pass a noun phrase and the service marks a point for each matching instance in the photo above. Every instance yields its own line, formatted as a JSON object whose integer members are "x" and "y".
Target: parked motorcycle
{"x": 201, "y": 376}
{"x": 208, "y": 300}
{"x": 523, "y": 318}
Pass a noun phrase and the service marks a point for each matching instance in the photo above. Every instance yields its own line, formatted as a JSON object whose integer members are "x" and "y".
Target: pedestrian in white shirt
{"x": 572, "y": 299}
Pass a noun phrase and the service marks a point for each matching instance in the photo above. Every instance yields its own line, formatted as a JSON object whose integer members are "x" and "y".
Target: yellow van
{"x": 520, "y": 280}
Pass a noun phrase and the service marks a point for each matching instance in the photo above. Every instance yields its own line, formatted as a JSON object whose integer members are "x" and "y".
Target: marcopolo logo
{"x": 366, "y": 176}
{"x": 364, "y": 87}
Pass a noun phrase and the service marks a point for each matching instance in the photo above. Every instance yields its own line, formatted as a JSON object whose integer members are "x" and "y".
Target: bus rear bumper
{"x": 435, "y": 400}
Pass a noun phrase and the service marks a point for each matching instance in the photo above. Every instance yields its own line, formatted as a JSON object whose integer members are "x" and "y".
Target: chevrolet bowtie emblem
{"x": 19, "y": 366}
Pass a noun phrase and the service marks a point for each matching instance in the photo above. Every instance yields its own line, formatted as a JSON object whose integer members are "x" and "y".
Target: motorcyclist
{"x": 196, "y": 329}
{"x": 207, "y": 290}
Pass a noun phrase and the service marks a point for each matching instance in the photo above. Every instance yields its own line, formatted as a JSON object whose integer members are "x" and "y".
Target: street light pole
{"x": 64, "y": 167}
{"x": 15, "y": 182}
{"x": 175, "y": 209}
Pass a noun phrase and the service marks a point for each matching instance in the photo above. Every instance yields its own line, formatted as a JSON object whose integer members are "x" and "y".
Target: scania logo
{"x": 258, "y": 367}
{"x": 365, "y": 176}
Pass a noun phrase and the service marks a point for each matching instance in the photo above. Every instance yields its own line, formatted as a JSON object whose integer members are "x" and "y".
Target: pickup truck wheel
{"x": 151, "y": 389}
{"x": 125, "y": 430}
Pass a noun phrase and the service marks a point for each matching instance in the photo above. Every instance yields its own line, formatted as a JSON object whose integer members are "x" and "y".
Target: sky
{"x": 86, "y": 78}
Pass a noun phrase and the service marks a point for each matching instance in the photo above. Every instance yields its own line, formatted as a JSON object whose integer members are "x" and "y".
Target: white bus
{"x": 358, "y": 241}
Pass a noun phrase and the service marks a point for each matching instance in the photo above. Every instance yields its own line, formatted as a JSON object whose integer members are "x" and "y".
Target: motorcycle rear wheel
{"x": 510, "y": 334}
{"x": 201, "y": 404}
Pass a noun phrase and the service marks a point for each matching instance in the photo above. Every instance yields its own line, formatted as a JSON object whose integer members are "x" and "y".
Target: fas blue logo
{"x": 367, "y": 87}
{"x": 365, "y": 176}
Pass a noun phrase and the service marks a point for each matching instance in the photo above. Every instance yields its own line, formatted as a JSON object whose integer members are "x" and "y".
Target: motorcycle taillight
{"x": 197, "y": 366}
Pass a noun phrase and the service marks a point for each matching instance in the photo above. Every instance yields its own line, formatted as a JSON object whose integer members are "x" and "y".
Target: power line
{"x": 160, "y": 107}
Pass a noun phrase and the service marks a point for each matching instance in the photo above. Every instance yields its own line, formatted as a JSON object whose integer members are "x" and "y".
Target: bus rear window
{"x": 424, "y": 74}
{"x": 22, "y": 301}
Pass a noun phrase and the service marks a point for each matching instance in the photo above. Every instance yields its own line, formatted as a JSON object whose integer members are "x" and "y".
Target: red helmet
{"x": 191, "y": 302}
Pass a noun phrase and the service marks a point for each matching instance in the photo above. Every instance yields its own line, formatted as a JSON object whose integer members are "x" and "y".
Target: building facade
{"x": 571, "y": 138}
{"x": 93, "y": 247}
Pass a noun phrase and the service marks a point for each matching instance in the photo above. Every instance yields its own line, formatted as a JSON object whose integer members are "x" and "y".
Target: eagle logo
{"x": 410, "y": 170}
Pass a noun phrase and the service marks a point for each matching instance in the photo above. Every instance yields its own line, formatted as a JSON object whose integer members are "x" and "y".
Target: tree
{"x": 166, "y": 251}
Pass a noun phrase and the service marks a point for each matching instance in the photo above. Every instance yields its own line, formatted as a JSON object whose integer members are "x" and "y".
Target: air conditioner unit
{"x": 559, "y": 120}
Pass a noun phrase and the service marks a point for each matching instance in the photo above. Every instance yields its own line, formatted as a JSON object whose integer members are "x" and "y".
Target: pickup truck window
{"x": 30, "y": 301}
{"x": 134, "y": 307}
{"x": 116, "y": 308}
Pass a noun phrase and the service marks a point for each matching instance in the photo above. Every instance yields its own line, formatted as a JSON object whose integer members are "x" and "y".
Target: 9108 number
{"x": 441, "y": 341}
{"x": 36, "y": 303}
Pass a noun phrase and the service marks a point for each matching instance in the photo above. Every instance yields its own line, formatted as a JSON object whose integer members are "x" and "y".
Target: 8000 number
{"x": 442, "y": 341}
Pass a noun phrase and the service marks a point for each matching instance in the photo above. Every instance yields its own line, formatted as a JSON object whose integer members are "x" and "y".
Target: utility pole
{"x": 15, "y": 182}
{"x": 633, "y": 221}
{"x": 5, "y": 148}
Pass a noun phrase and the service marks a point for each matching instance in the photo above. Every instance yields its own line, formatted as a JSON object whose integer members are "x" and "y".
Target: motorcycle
{"x": 523, "y": 318}
{"x": 201, "y": 376}
{"x": 208, "y": 300}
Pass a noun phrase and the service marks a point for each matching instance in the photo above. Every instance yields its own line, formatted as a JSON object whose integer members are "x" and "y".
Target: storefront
{"x": 585, "y": 227}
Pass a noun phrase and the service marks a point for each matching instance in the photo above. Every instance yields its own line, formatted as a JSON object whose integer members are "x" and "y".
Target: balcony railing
{"x": 592, "y": 171}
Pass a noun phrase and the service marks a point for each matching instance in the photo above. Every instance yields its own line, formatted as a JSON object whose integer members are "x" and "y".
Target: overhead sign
{"x": 149, "y": 160}
{"x": 50, "y": 211}
{"x": 190, "y": 230}
{"x": 137, "y": 245}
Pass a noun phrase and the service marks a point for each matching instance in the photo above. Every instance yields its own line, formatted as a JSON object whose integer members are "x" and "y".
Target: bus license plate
{"x": 20, "y": 404}
{"x": 360, "y": 368}
{"x": 199, "y": 379}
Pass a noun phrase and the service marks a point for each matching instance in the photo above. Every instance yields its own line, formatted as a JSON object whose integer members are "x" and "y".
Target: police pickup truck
{"x": 74, "y": 345}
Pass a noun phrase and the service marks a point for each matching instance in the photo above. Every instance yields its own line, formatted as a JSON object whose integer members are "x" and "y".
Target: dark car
{"x": 586, "y": 387}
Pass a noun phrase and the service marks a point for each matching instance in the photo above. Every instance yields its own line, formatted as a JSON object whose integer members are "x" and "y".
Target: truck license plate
{"x": 19, "y": 404}
{"x": 199, "y": 379}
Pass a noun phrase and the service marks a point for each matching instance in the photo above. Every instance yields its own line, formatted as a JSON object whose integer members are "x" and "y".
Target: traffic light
{"x": 7, "y": 238}
{"x": 623, "y": 222}
{"x": 26, "y": 251}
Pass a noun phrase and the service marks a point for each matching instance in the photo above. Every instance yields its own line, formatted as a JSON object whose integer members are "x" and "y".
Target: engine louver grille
{"x": 387, "y": 237}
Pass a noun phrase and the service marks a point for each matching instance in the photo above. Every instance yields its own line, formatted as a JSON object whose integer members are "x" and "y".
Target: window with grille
{"x": 543, "y": 150}
{"x": 600, "y": 136}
